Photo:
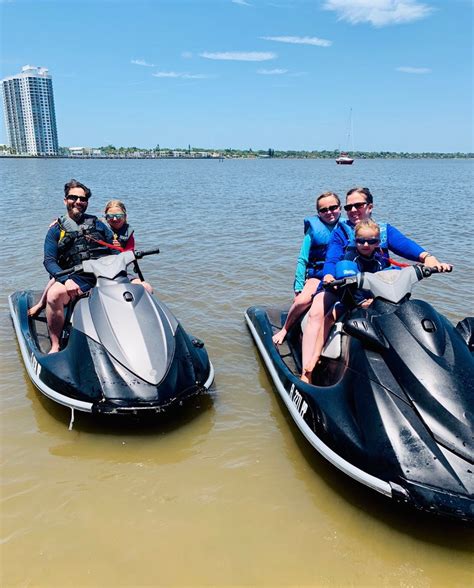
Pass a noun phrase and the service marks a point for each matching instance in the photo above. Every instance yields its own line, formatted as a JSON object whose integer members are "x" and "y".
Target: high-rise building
{"x": 30, "y": 118}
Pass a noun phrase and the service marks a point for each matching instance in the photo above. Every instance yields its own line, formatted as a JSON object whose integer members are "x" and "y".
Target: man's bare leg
{"x": 56, "y": 299}
{"x": 38, "y": 307}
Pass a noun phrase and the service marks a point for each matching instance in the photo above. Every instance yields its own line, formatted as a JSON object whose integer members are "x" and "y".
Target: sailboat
{"x": 344, "y": 157}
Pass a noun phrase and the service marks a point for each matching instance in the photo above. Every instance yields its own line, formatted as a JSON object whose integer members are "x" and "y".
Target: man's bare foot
{"x": 279, "y": 337}
{"x": 54, "y": 350}
{"x": 35, "y": 309}
{"x": 306, "y": 377}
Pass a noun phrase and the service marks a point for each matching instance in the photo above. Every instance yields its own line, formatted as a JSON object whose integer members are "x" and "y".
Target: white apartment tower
{"x": 30, "y": 118}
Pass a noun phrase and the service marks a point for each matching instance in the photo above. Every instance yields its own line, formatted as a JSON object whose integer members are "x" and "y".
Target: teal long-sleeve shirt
{"x": 302, "y": 264}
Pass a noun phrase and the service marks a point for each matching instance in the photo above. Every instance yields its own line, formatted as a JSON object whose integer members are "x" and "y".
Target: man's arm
{"x": 302, "y": 264}
{"x": 50, "y": 260}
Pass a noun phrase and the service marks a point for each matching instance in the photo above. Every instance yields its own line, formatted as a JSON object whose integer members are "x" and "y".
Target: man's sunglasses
{"x": 356, "y": 205}
{"x": 118, "y": 216}
{"x": 361, "y": 241}
{"x": 73, "y": 197}
{"x": 331, "y": 208}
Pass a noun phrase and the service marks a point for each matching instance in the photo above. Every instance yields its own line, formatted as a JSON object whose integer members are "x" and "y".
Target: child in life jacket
{"x": 116, "y": 218}
{"x": 367, "y": 257}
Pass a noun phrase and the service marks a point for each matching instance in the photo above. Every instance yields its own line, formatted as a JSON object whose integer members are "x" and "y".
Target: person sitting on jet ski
{"x": 123, "y": 234}
{"x": 309, "y": 268}
{"x": 367, "y": 257}
{"x": 123, "y": 238}
{"x": 359, "y": 205}
{"x": 76, "y": 236}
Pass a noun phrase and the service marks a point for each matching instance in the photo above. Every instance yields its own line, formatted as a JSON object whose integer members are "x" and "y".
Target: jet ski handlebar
{"x": 132, "y": 257}
{"x": 70, "y": 270}
{"x": 140, "y": 254}
{"x": 341, "y": 282}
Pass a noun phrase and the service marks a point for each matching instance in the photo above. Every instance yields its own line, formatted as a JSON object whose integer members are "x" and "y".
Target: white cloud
{"x": 142, "y": 62}
{"x": 414, "y": 70}
{"x": 379, "y": 13}
{"x": 183, "y": 75}
{"x": 241, "y": 2}
{"x": 240, "y": 56}
{"x": 272, "y": 72}
{"x": 300, "y": 40}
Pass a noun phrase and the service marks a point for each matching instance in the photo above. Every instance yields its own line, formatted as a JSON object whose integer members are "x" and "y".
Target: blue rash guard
{"x": 51, "y": 255}
{"x": 396, "y": 241}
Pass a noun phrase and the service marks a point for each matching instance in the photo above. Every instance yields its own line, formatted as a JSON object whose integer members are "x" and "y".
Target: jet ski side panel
{"x": 434, "y": 367}
{"x": 296, "y": 396}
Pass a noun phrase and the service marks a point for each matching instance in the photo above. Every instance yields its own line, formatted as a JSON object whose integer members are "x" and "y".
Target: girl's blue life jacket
{"x": 320, "y": 234}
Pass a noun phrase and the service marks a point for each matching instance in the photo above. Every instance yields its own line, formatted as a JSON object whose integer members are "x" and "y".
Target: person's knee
{"x": 57, "y": 295}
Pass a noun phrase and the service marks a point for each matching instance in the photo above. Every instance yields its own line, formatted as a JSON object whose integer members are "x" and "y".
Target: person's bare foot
{"x": 54, "y": 350}
{"x": 279, "y": 337}
{"x": 35, "y": 309}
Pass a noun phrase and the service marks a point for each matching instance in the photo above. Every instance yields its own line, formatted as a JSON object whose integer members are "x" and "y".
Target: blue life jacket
{"x": 376, "y": 263}
{"x": 320, "y": 234}
{"x": 349, "y": 232}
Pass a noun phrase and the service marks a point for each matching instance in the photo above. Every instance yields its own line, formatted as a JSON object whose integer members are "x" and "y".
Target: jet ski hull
{"x": 86, "y": 377}
{"x": 368, "y": 431}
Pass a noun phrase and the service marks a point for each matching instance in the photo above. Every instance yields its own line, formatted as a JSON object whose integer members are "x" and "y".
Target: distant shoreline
{"x": 356, "y": 156}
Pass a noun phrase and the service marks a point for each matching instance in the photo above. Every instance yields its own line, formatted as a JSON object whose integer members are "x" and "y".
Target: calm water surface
{"x": 228, "y": 494}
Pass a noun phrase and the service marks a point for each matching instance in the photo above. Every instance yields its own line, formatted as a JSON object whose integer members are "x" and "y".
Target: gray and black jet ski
{"x": 391, "y": 402}
{"x": 123, "y": 351}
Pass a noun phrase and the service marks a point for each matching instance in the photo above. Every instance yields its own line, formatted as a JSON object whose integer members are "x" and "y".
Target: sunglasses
{"x": 118, "y": 216}
{"x": 361, "y": 241}
{"x": 331, "y": 208}
{"x": 356, "y": 205}
{"x": 74, "y": 198}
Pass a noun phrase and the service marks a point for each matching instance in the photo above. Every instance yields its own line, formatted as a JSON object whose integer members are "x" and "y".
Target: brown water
{"x": 228, "y": 493}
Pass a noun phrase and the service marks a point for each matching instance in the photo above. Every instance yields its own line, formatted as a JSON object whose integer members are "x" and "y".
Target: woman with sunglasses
{"x": 116, "y": 218}
{"x": 309, "y": 268}
{"x": 359, "y": 205}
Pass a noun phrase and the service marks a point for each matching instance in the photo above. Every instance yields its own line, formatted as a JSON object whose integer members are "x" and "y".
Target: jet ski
{"x": 391, "y": 401}
{"x": 122, "y": 351}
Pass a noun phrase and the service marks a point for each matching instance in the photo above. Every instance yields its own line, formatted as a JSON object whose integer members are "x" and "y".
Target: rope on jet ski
{"x": 105, "y": 244}
{"x": 397, "y": 263}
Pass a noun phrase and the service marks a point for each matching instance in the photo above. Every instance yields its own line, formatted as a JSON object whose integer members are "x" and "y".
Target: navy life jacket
{"x": 76, "y": 241}
{"x": 349, "y": 232}
{"x": 376, "y": 263}
{"x": 320, "y": 234}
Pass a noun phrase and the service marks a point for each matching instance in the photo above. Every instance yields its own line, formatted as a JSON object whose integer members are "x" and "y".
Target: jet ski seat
{"x": 333, "y": 347}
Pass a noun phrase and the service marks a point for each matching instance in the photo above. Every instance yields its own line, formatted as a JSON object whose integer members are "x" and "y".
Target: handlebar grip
{"x": 334, "y": 284}
{"x": 140, "y": 254}
{"x": 67, "y": 271}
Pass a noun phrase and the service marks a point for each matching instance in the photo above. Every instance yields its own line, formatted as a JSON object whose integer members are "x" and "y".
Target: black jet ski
{"x": 122, "y": 351}
{"x": 391, "y": 401}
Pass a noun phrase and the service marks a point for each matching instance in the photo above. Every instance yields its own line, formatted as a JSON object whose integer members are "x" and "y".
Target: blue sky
{"x": 251, "y": 73}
